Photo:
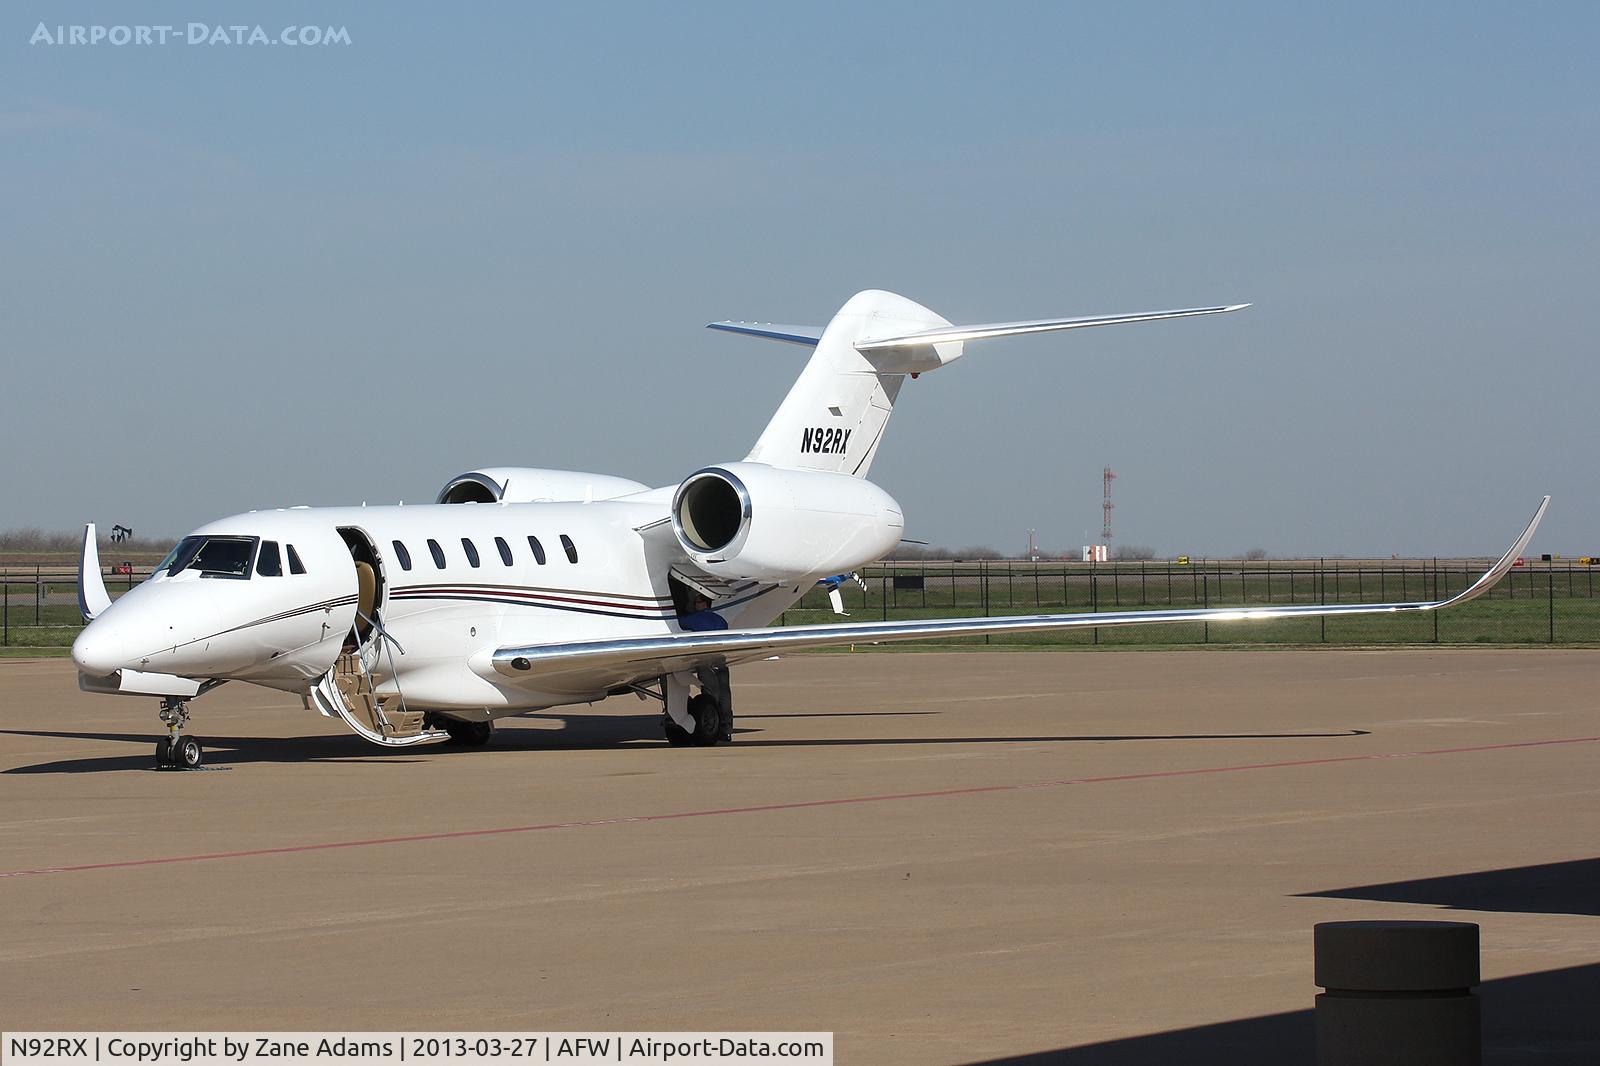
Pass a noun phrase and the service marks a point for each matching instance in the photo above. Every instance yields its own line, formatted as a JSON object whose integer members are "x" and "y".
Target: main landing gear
{"x": 175, "y": 751}
{"x": 707, "y": 716}
{"x": 701, "y": 720}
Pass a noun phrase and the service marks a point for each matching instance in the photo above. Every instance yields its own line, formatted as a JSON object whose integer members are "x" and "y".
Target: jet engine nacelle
{"x": 750, "y": 520}
{"x": 520, "y": 484}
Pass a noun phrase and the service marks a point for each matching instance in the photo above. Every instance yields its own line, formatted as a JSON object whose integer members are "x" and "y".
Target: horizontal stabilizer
{"x": 807, "y": 335}
{"x": 1013, "y": 329}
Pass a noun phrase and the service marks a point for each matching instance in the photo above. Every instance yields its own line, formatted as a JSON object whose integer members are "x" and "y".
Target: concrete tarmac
{"x": 941, "y": 857}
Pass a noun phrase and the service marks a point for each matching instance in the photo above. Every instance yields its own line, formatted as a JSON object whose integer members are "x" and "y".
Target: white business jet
{"x": 524, "y": 589}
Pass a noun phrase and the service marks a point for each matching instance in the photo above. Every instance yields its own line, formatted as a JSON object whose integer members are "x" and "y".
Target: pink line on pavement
{"x": 976, "y": 790}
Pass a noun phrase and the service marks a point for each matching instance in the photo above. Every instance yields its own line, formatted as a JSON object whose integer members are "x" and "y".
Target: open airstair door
{"x": 363, "y": 687}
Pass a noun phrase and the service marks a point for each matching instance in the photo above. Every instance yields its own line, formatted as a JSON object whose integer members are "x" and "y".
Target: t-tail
{"x": 834, "y": 417}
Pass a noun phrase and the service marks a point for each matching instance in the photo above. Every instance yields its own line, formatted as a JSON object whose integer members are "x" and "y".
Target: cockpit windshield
{"x": 214, "y": 556}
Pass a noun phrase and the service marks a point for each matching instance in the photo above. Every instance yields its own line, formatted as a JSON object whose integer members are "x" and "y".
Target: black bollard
{"x": 1397, "y": 992}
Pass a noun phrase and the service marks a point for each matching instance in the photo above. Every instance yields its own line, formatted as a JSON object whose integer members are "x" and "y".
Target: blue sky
{"x": 244, "y": 277}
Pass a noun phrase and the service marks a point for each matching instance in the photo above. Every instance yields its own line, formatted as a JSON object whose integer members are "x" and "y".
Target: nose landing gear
{"x": 175, "y": 751}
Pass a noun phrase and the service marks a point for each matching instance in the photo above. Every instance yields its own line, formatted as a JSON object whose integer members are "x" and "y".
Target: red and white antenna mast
{"x": 1106, "y": 506}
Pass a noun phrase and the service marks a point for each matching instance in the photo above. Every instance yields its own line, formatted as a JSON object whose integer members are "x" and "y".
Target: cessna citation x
{"x": 524, "y": 589}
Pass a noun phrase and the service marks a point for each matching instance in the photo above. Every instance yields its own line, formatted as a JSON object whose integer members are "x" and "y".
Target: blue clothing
{"x": 702, "y": 621}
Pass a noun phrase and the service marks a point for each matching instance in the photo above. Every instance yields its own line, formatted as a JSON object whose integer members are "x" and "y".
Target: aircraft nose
{"x": 99, "y": 650}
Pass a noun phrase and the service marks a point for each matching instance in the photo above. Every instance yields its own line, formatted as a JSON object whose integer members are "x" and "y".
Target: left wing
{"x": 608, "y": 663}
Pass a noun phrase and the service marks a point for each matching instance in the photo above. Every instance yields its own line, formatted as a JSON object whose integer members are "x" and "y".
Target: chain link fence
{"x": 1539, "y": 602}
{"x": 39, "y": 604}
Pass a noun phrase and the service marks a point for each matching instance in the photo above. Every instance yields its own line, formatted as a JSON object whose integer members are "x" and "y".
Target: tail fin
{"x": 834, "y": 416}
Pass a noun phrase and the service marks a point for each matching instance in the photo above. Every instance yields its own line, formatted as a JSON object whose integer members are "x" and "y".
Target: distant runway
{"x": 942, "y": 857}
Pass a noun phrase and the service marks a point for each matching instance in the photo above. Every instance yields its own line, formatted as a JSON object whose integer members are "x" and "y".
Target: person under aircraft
{"x": 713, "y": 679}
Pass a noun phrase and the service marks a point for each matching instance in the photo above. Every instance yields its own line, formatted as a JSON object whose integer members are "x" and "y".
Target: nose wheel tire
{"x": 707, "y": 724}
{"x": 178, "y": 753}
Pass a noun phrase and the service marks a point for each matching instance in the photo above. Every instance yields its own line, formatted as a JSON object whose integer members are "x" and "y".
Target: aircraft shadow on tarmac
{"x": 587, "y": 732}
{"x": 1549, "y": 888}
{"x": 1546, "y": 1018}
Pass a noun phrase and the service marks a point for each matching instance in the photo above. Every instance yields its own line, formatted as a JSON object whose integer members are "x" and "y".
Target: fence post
{"x": 983, "y": 575}
{"x": 884, "y": 593}
{"x": 38, "y": 595}
{"x": 1550, "y": 585}
{"x": 1205, "y": 585}
{"x": 1094, "y": 592}
{"x": 1322, "y": 596}
{"x": 1436, "y": 596}
{"x": 5, "y": 609}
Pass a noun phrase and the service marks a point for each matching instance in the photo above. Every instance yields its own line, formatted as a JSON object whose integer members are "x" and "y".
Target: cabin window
{"x": 437, "y": 553}
{"x": 403, "y": 555}
{"x": 471, "y": 549}
{"x": 295, "y": 565}
{"x": 538, "y": 550}
{"x": 505, "y": 550}
{"x": 269, "y": 563}
{"x": 572, "y": 552}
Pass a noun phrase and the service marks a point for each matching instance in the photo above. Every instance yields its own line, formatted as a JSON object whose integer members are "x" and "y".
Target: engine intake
{"x": 712, "y": 507}
{"x": 749, "y": 520}
{"x": 519, "y": 484}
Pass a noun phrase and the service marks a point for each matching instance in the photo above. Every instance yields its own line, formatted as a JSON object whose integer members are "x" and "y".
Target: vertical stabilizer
{"x": 834, "y": 417}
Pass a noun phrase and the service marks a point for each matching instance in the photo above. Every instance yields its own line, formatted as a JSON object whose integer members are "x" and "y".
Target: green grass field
{"x": 1531, "y": 606}
{"x": 1520, "y": 610}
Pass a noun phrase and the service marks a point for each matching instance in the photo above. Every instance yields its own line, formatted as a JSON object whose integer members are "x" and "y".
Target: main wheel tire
{"x": 187, "y": 753}
{"x": 677, "y": 736}
{"x": 164, "y": 752}
{"x": 470, "y": 734}
{"x": 707, "y": 720}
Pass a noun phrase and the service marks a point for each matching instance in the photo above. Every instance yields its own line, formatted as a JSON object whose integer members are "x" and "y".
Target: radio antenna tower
{"x": 1106, "y": 506}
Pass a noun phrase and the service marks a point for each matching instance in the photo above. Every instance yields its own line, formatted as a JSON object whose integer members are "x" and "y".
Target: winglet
{"x": 1492, "y": 576}
{"x": 92, "y": 596}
